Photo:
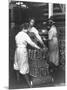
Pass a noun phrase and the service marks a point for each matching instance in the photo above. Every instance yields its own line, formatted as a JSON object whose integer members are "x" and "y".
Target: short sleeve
{"x": 50, "y": 34}
{"x": 34, "y": 30}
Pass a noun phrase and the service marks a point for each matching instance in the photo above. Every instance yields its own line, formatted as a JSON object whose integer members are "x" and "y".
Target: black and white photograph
{"x": 36, "y": 44}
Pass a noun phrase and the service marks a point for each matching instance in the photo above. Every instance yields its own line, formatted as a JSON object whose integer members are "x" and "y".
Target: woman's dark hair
{"x": 31, "y": 19}
{"x": 50, "y": 22}
{"x": 24, "y": 26}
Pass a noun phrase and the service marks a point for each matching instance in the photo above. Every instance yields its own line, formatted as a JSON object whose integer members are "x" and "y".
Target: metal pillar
{"x": 50, "y": 10}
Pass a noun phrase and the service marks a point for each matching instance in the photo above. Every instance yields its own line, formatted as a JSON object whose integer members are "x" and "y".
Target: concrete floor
{"x": 59, "y": 79}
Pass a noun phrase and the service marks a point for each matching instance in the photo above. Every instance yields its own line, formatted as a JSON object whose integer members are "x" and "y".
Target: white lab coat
{"x": 21, "y": 55}
{"x": 53, "y": 46}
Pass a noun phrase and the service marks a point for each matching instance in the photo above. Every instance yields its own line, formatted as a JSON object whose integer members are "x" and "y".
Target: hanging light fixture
{"x": 17, "y": 3}
{"x": 21, "y": 4}
{"x": 24, "y": 6}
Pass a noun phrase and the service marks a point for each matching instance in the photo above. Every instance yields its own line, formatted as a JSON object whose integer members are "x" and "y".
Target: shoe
{"x": 52, "y": 79}
{"x": 28, "y": 80}
{"x": 31, "y": 83}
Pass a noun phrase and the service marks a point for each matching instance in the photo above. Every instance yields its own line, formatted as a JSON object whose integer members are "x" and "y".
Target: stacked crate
{"x": 39, "y": 68}
{"x": 61, "y": 36}
{"x": 38, "y": 63}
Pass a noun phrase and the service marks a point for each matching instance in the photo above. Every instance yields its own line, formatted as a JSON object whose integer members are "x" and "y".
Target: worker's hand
{"x": 45, "y": 49}
{"x": 44, "y": 39}
{"x": 39, "y": 48}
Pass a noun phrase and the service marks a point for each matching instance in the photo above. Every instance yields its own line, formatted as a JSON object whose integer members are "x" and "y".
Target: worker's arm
{"x": 38, "y": 36}
{"x": 29, "y": 41}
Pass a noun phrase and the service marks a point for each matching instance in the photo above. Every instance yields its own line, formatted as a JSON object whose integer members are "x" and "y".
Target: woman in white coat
{"x": 53, "y": 44}
{"x": 21, "y": 55}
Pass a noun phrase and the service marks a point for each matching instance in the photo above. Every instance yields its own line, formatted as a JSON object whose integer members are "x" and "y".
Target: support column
{"x": 11, "y": 7}
{"x": 50, "y": 12}
{"x": 62, "y": 6}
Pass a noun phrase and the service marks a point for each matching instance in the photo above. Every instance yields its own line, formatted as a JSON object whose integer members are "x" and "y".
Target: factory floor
{"x": 59, "y": 79}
